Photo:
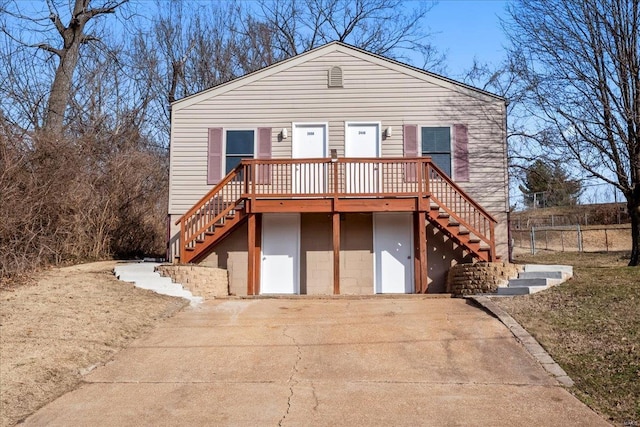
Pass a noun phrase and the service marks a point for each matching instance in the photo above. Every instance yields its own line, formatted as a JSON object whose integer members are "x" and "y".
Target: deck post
{"x": 183, "y": 251}
{"x": 492, "y": 236}
{"x": 251, "y": 254}
{"x": 420, "y": 245}
{"x": 336, "y": 252}
{"x": 257, "y": 253}
{"x": 420, "y": 184}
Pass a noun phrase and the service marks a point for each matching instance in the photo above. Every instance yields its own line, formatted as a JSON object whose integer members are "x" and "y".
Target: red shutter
{"x": 410, "y": 135}
{"x": 214, "y": 156}
{"x": 263, "y": 173}
{"x": 461, "y": 153}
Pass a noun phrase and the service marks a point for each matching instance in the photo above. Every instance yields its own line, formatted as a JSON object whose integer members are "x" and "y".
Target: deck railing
{"x": 333, "y": 178}
{"x": 345, "y": 177}
{"x": 460, "y": 207}
{"x": 212, "y": 209}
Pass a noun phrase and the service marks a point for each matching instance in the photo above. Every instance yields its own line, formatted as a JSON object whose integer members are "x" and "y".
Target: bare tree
{"x": 392, "y": 28}
{"x": 92, "y": 186}
{"x": 579, "y": 61}
{"x": 65, "y": 48}
{"x": 186, "y": 49}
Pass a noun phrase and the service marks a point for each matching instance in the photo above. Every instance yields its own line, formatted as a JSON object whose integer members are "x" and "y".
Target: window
{"x": 240, "y": 145}
{"x": 436, "y": 142}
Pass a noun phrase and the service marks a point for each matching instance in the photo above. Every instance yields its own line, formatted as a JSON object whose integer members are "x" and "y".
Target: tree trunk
{"x": 61, "y": 90}
{"x": 72, "y": 38}
{"x": 633, "y": 206}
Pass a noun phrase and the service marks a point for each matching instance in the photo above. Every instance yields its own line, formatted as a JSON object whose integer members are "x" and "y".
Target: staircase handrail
{"x": 459, "y": 190}
{"x": 465, "y": 222}
{"x": 211, "y": 193}
{"x": 209, "y": 198}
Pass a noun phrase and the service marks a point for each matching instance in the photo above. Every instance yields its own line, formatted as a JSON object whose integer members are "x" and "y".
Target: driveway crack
{"x": 294, "y": 370}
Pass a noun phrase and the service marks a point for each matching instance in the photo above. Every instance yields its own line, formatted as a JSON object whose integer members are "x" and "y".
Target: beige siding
{"x": 373, "y": 91}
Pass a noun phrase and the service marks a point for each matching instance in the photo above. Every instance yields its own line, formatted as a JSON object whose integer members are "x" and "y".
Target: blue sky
{"x": 460, "y": 28}
{"x": 465, "y": 29}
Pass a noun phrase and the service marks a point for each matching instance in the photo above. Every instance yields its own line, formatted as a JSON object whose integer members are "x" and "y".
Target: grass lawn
{"x": 591, "y": 327}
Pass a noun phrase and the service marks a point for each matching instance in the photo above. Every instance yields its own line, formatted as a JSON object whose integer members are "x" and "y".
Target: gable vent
{"x": 335, "y": 77}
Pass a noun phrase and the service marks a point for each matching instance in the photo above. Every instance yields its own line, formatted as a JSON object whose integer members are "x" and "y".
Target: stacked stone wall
{"x": 479, "y": 278}
{"x": 202, "y": 281}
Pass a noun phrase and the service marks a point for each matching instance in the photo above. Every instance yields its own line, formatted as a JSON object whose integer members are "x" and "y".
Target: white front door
{"x": 393, "y": 253}
{"x": 362, "y": 140}
{"x": 280, "y": 254}
{"x": 309, "y": 142}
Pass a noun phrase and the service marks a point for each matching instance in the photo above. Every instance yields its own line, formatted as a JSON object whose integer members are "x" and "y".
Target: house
{"x": 338, "y": 172}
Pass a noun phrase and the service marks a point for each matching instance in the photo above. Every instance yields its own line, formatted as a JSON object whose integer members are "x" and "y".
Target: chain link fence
{"x": 573, "y": 238}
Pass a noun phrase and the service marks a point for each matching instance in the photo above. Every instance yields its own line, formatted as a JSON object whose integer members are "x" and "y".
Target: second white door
{"x": 362, "y": 140}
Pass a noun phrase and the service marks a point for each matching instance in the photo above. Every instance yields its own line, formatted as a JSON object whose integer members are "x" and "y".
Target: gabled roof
{"x": 335, "y": 46}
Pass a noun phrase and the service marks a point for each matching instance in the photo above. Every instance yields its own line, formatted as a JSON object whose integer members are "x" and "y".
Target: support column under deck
{"x": 336, "y": 252}
{"x": 420, "y": 258}
{"x": 254, "y": 249}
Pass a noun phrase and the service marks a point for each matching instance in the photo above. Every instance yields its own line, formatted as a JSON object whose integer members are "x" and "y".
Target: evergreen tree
{"x": 547, "y": 185}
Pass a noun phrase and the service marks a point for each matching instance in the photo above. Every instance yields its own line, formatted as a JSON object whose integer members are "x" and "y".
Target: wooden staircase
{"x": 213, "y": 218}
{"x": 459, "y": 217}
{"x": 444, "y": 203}
{"x": 461, "y": 235}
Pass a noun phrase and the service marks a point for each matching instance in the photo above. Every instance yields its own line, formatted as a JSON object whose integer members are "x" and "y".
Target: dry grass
{"x": 62, "y": 323}
{"x": 591, "y": 327}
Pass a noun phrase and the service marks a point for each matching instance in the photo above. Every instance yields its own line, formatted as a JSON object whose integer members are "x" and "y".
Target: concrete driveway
{"x": 375, "y": 361}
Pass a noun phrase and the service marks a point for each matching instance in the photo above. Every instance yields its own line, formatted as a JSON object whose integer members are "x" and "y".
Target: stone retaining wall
{"x": 479, "y": 278}
{"x": 202, "y": 281}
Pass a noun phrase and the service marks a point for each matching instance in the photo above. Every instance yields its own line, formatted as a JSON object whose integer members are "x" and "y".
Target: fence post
{"x": 546, "y": 240}
{"x": 533, "y": 240}
{"x": 580, "y": 238}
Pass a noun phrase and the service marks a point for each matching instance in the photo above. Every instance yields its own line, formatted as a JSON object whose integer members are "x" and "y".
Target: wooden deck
{"x": 336, "y": 186}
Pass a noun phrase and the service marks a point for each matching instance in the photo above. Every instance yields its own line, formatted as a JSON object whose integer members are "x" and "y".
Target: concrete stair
{"x": 144, "y": 276}
{"x": 535, "y": 278}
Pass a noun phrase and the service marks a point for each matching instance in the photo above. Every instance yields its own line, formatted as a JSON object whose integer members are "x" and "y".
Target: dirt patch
{"x": 62, "y": 324}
